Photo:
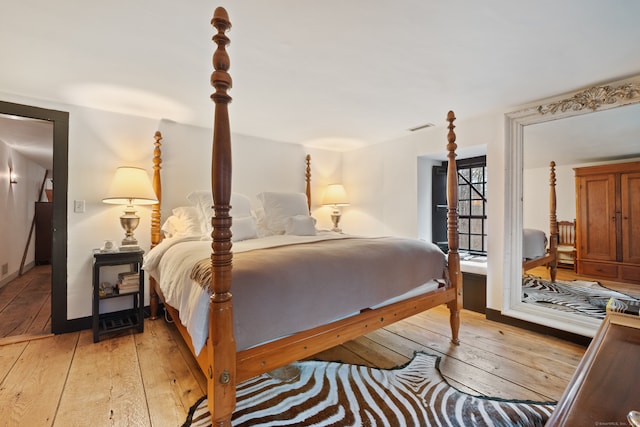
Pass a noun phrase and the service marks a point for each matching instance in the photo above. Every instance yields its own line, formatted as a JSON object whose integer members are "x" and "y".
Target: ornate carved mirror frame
{"x": 597, "y": 98}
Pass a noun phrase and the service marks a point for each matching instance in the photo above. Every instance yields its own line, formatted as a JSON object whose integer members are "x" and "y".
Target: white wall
{"x": 16, "y": 210}
{"x": 382, "y": 181}
{"x": 535, "y": 201}
{"x": 100, "y": 141}
{"x": 258, "y": 165}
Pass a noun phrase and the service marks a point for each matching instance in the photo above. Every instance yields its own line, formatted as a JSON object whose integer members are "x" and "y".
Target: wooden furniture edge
{"x": 561, "y": 413}
{"x": 453, "y": 239}
{"x": 551, "y": 257}
{"x": 272, "y": 355}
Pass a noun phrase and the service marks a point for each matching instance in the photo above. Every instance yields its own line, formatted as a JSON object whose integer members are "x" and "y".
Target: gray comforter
{"x": 286, "y": 289}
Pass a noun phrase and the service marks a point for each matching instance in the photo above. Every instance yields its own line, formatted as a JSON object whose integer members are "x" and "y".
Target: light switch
{"x": 78, "y": 206}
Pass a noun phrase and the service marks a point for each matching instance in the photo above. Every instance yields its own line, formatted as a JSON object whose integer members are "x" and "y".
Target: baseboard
{"x": 16, "y": 274}
{"x": 497, "y": 316}
{"x": 8, "y": 279}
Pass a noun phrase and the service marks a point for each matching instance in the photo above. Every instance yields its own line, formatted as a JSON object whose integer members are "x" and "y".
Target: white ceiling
{"x": 334, "y": 73}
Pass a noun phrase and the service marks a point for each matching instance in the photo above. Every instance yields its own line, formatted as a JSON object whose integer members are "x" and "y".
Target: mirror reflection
{"x": 591, "y": 265}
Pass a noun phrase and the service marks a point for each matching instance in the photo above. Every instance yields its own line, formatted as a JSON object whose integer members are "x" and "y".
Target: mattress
{"x": 286, "y": 284}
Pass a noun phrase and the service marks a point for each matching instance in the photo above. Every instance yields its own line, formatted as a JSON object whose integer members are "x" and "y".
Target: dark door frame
{"x": 60, "y": 121}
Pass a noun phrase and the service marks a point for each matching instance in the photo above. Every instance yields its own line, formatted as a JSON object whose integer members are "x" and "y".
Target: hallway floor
{"x": 25, "y": 306}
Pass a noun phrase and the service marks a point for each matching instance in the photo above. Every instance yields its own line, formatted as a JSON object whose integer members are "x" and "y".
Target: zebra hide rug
{"x": 338, "y": 394}
{"x": 580, "y": 297}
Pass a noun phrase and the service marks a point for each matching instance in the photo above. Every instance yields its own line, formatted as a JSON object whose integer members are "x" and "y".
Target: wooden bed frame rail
{"x": 221, "y": 363}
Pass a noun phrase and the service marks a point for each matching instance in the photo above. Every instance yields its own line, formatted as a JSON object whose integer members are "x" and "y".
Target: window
{"x": 472, "y": 205}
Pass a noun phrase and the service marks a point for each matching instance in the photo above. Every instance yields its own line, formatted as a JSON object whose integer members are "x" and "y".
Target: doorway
{"x": 60, "y": 121}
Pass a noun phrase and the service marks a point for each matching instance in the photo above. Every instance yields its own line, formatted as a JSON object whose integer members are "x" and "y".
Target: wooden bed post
{"x": 452, "y": 233}
{"x": 156, "y": 235}
{"x": 221, "y": 343}
{"x": 307, "y": 179}
{"x": 553, "y": 222}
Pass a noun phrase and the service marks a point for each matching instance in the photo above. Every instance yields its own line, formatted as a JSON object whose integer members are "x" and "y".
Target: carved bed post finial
{"x": 221, "y": 343}
{"x": 308, "y": 180}
{"x": 452, "y": 230}
{"x": 553, "y": 222}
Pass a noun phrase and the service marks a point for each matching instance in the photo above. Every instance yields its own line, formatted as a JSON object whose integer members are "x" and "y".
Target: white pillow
{"x": 280, "y": 206}
{"x": 203, "y": 201}
{"x": 300, "y": 225}
{"x": 261, "y": 224}
{"x": 240, "y": 204}
{"x": 185, "y": 221}
{"x": 170, "y": 226}
{"x": 243, "y": 229}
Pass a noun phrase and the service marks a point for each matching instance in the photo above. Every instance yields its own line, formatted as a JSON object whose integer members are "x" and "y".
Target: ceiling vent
{"x": 424, "y": 126}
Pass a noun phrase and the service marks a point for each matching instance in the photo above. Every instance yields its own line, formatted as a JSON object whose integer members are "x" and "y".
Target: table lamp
{"x": 335, "y": 196}
{"x": 130, "y": 186}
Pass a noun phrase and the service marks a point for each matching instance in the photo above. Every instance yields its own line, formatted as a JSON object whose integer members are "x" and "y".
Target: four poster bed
{"x": 536, "y": 249}
{"x": 252, "y": 328}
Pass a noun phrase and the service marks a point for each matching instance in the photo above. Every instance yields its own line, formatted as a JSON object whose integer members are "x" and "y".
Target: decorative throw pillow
{"x": 300, "y": 225}
{"x": 280, "y": 206}
{"x": 203, "y": 201}
{"x": 170, "y": 226}
{"x": 184, "y": 221}
{"x": 243, "y": 229}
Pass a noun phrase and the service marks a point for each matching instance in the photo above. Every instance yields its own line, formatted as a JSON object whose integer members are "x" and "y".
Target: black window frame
{"x": 477, "y": 191}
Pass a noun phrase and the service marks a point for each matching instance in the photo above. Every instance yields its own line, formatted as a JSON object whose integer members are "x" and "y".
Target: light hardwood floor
{"x": 25, "y": 305}
{"x": 151, "y": 378}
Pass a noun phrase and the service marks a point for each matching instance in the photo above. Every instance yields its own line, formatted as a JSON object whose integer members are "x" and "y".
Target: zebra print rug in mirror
{"x": 578, "y": 296}
{"x": 338, "y": 394}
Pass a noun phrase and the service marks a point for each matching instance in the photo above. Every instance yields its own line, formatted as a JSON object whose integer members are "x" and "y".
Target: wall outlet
{"x": 5, "y": 268}
{"x": 78, "y": 206}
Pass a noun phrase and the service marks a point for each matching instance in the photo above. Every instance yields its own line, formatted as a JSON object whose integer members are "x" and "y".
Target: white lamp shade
{"x": 131, "y": 186}
{"x": 335, "y": 195}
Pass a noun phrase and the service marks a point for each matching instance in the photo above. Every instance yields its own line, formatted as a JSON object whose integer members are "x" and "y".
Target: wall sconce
{"x": 13, "y": 178}
{"x": 335, "y": 196}
{"x": 130, "y": 186}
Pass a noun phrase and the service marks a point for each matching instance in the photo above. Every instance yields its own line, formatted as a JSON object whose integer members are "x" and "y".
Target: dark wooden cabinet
{"x": 608, "y": 221}
{"x": 44, "y": 232}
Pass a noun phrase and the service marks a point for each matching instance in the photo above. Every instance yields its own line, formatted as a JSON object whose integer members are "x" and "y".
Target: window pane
{"x": 463, "y": 225}
{"x": 476, "y": 243}
{"x": 463, "y": 207}
{"x": 464, "y": 242}
{"x": 476, "y": 226}
{"x": 477, "y": 191}
{"x": 477, "y": 208}
{"x": 463, "y": 173}
{"x": 463, "y": 192}
{"x": 477, "y": 175}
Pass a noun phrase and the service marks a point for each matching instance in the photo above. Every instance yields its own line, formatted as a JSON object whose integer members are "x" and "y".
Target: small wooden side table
{"x": 128, "y": 319}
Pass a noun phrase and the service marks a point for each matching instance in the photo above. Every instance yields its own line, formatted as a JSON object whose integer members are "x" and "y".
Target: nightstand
{"x": 127, "y": 319}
